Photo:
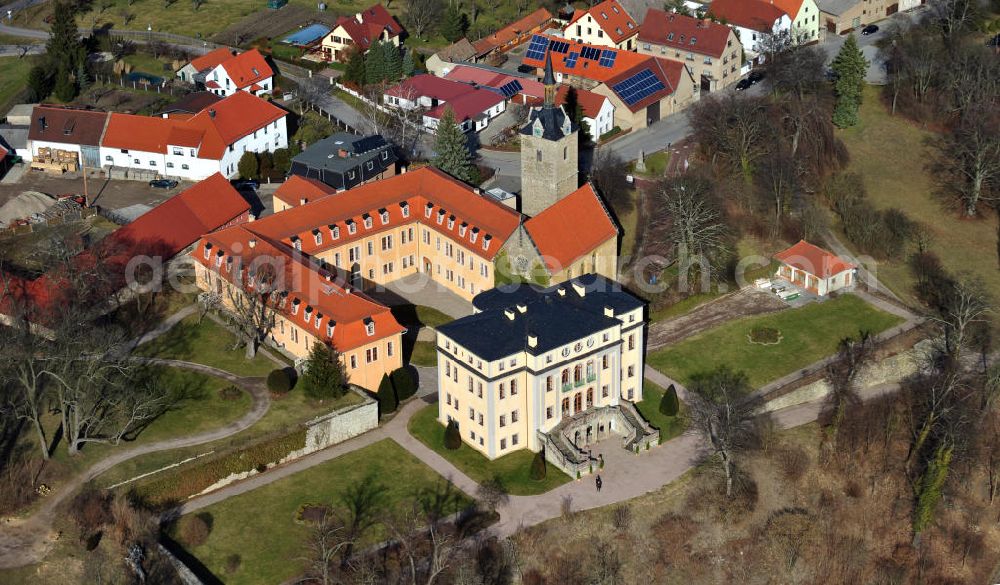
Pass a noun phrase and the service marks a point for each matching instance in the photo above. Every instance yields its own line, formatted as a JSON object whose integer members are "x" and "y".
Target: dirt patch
{"x": 743, "y": 303}
{"x": 111, "y": 194}
{"x": 277, "y": 22}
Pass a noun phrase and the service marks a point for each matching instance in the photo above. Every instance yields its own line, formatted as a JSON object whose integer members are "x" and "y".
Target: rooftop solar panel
{"x": 559, "y": 46}
{"x": 571, "y": 59}
{"x": 638, "y": 87}
{"x": 537, "y": 47}
{"x": 608, "y": 58}
{"x": 510, "y": 88}
{"x": 590, "y": 53}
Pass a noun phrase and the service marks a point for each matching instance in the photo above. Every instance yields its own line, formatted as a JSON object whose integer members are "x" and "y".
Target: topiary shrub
{"x": 230, "y": 393}
{"x": 538, "y": 469}
{"x": 668, "y": 404}
{"x": 279, "y": 382}
{"x": 403, "y": 382}
{"x": 386, "y": 395}
{"x": 764, "y": 335}
{"x": 452, "y": 436}
{"x": 194, "y": 530}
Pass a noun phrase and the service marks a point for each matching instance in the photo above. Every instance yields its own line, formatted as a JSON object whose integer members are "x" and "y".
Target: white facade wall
{"x": 274, "y": 138}
{"x": 752, "y": 39}
{"x": 34, "y": 145}
{"x": 604, "y": 121}
{"x": 588, "y": 30}
{"x": 133, "y": 159}
{"x": 228, "y": 86}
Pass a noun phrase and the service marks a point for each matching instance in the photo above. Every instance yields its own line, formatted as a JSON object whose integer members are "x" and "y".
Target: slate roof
{"x": 192, "y": 103}
{"x": 555, "y": 319}
{"x": 324, "y": 154}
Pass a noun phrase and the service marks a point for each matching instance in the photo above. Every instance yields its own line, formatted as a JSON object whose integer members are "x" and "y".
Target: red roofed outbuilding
{"x": 814, "y": 269}
{"x": 513, "y": 34}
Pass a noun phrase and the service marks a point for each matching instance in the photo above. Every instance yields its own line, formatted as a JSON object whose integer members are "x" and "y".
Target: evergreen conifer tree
{"x": 668, "y": 404}
{"x": 454, "y": 23}
{"x": 538, "y": 470}
{"x": 393, "y": 61}
{"x": 408, "y": 65}
{"x": 248, "y": 167}
{"x": 453, "y": 154}
{"x": 324, "y": 376}
{"x": 575, "y": 111}
{"x": 64, "y": 50}
{"x": 374, "y": 65}
{"x": 355, "y": 71}
{"x": 452, "y": 437}
{"x": 850, "y": 67}
{"x": 386, "y": 396}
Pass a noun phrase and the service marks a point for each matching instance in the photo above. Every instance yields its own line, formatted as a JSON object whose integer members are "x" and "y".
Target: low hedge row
{"x": 187, "y": 481}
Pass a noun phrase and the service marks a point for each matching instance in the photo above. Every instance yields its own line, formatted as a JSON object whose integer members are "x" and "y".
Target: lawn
{"x": 808, "y": 334}
{"x": 513, "y": 469}
{"x": 649, "y": 407}
{"x": 413, "y": 316}
{"x": 890, "y": 152}
{"x": 206, "y": 342}
{"x": 424, "y": 354}
{"x": 14, "y": 79}
{"x": 148, "y": 64}
{"x": 656, "y": 164}
{"x": 260, "y": 525}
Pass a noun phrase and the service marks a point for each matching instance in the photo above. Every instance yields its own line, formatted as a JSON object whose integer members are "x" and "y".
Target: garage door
{"x": 653, "y": 112}
{"x": 91, "y": 156}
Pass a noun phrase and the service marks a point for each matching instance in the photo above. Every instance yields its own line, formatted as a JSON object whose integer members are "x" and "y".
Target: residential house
{"x": 344, "y": 160}
{"x": 806, "y": 19}
{"x": 194, "y": 147}
{"x": 71, "y": 135}
{"x": 423, "y": 91}
{"x": 312, "y": 304}
{"x": 546, "y": 369}
{"x": 512, "y": 35}
{"x": 642, "y": 88}
{"x": 473, "y": 107}
{"x": 814, "y": 269}
{"x": 441, "y": 63}
{"x": 473, "y": 110}
{"x": 224, "y": 72}
{"x": 760, "y": 25}
{"x": 360, "y": 32}
{"x": 607, "y": 24}
{"x": 711, "y": 50}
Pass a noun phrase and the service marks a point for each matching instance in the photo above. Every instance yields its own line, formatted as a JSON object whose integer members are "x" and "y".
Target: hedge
{"x": 193, "y": 479}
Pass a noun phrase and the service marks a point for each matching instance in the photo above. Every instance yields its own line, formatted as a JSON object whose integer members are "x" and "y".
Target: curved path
{"x": 26, "y": 541}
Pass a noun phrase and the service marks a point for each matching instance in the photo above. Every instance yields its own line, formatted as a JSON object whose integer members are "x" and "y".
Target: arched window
{"x": 578, "y": 374}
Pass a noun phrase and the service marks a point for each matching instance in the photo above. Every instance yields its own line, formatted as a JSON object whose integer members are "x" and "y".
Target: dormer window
{"x": 229, "y": 264}
{"x": 218, "y": 257}
{"x": 317, "y": 236}
{"x": 440, "y": 217}
{"x": 295, "y": 306}
{"x": 352, "y": 226}
{"x": 368, "y": 221}
{"x": 370, "y": 327}
{"x": 296, "y": 243}
{"x": 427, "y": 210}
{"x": 318, "y": 320}
{"x": 208, "y": 250}
{"x": 334, "y": 231}
{"x": 451, "y": 222}
{"x": 670, "y": 37}
{"x": 384, "y": 216}
{"x": 486, "y": 241}
{"x": 475, "y": 235}
{"x": 462, "y": 228}
{"x": 405, "y": 208}
{"x": 329, "y": 327}
{"x": 307, "y": 314}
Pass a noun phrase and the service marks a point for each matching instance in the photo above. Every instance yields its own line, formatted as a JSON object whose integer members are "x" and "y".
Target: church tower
{"x": 550, "y": 152}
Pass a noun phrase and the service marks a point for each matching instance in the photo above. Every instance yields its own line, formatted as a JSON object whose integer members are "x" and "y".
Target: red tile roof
{"x": 586, "y": 68}
{"x": 296, "y": 188}
{"x": 686, "y": 33}
{"x": 475, "y": 215}
{"x": 67, "y": 125}
{"x": 751, "y": 14}
{"x": 427, "y": 85}
{"x": 590, "y": 102}
{"x": 789, "y": 7}
{"x": 374, "y": 20}
{"x": 513, "y": 31}
{"x": 612, "y": 18}
{"x": 668, "y": 72}
{"x": 145, "y": 133}
{"x": 212, "y": 59}
{"x": 325, "y": 294}
{"x": 468, "y": 105}
{"x": 490, "y": 78}
{"x": 571, "y": 228}
{"x": 813, "y": 259}
{"x": 247, "y": 68}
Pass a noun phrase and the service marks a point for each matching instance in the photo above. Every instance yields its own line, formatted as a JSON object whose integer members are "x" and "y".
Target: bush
{"x": 668, "y": 404}
{"x": 452, "y": 436}
{"x": 279, "y": 382}
{"x": 91, "y": 510}
{"x": 233, "y": 563}
{"x": 403, "y": 382}
{"x": 764, "y": 335}
{"x": 538, "y": 470}
{"x": 386, "y": 396}
{"x": 230, "y": 393}
{"x": 248, "y": 166}
{"x": 194, "y": 530}
{"x": 622, "y": 519}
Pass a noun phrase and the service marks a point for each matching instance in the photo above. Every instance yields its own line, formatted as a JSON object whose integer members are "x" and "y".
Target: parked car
{"x": 163, "y": 183}
{"x": 755, "y": 76}
{"x": 869, "y": 30}
{"x": 246, "y": 184}
{"x": 743, "y": 84}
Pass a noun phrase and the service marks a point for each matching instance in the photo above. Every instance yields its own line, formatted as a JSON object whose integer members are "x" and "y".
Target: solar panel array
{"x": 608, "y": 58}
{"x": 591, "y": 53}
{"x": 571, "y": 59}
{"x": 559, "y": 46}
{"x": 637, "y": 87}
{"x": 510, "y": 88}
{"x": 537, "y": 47}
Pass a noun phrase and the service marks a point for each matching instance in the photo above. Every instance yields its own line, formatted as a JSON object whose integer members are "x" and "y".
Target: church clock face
{"x": 520, "y": 264}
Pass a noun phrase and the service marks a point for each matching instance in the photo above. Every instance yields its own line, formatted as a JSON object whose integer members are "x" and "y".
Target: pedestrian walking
{"x": 598, "y": 482}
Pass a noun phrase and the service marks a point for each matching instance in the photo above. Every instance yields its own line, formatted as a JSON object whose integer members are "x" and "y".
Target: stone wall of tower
{"x": 549, "y": 171}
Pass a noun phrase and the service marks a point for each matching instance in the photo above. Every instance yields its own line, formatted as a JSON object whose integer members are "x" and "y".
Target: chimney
{"x": 579, "y": 288}
{"x": 211, "y": 113}
{"x": 476, "y": 190}
{"x": 342, "y": 153}
{"x": 402, "y": 170}
{"x": 252, "y": 243}
{"x": 561, "y": 291}
{"x": 532, "y": 340}
{"x": 609, "y": 312}
{"x": 522, "y": 308}
{"x": 303, "y": 201}
{"x": 509, "y": 314}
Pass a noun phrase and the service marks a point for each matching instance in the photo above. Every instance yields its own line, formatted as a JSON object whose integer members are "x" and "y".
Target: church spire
{"x": 549, "y": 81}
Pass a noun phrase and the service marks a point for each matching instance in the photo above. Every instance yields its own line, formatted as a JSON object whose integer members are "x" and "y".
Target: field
{"x": 513, "y": 469}
{"x": 808, "y": 334}
{"x": 260, "y": 526}
{"x": 890, "y": 152}
{"x": 14, "y": 79}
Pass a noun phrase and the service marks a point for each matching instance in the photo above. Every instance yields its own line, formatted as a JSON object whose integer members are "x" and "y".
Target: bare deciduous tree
{"x": 427, "y": 544}
{"x": 686, "y": 226}
{"x": 732, "y": 131}
{"x": 853, "y": 355}
{"x": 326, "y": 540}
{"x": 253, "y": 296}
{"x": 422, "y": 15}
{"x": 725, "y": 412}
{"x": 400, "y": 126}
{"x": 968, "y": 162}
